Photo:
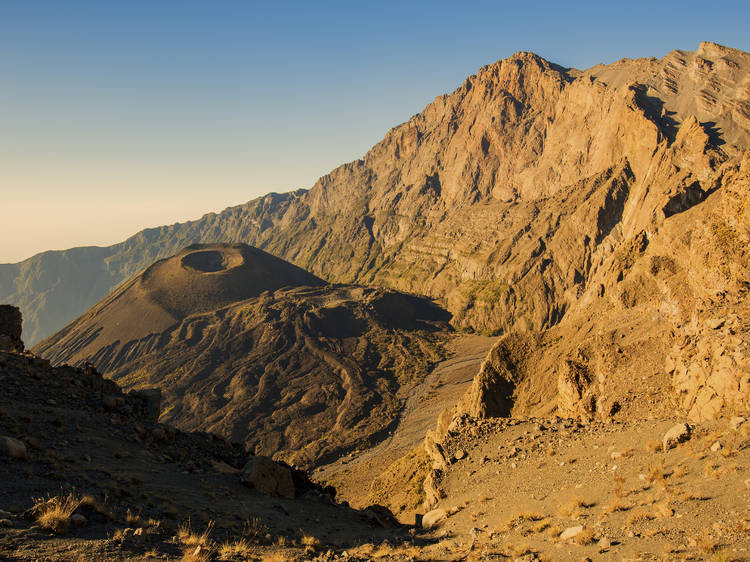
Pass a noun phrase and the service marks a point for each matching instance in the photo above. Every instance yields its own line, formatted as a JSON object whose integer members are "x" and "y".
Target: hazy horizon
{"x": 123, "y": 116}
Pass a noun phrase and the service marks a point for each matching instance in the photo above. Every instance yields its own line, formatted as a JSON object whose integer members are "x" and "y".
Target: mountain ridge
{"x": 420, "y": 210}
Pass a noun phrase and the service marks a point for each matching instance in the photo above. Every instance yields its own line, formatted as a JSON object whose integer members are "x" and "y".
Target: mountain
{"x": 501, "y": 199}
{"x": 255, "y": 349}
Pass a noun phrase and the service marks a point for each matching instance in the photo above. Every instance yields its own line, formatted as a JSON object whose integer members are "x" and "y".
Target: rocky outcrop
{"x": 11, "y": 324}
{"x": 491, "y": 394}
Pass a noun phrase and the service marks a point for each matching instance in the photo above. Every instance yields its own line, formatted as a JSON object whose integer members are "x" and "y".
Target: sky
{"x": 120, "y": 115}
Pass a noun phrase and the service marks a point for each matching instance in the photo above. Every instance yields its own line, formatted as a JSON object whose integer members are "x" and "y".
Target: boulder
{"x": 268, "y": 477}
{"x": 10, "y": 329}
{"x": 12, "y": 448}
{"x": 677, "y": 434}
{"x": 432, "y": 518}
{"x": 571, "y": 532}
{"x": 151, "y": 398}
{"x": 78, "y": 520}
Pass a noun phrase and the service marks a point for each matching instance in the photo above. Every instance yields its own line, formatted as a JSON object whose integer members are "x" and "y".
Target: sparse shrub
{"x": 188, "y": 537}
{"x": 706, "y": 543}
{"x": 617, "y": 505}
{"x": 638, "y": 517}
{"x": 253, "y": 528}
{"x": 239, "y": 548}
{"x": 54, "y": 513}
{"x": 311, "y": 543}
{"x": 569, "y": 508}
{"x": 520, "y": 517}
{"x": 656, "y": 471}
{"x": 585, "y": 537}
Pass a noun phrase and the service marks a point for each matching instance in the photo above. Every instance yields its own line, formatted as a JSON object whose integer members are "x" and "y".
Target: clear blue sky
{"x": 117, "y": 115}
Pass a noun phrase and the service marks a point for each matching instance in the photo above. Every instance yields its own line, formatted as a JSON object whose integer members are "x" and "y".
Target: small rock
{"x": 604, "y": 543}
{"x": 459, "y": 454}
{"x": 736, "y": 422}
{"x": 113, "y": 402}
{"x": 6, "y": 523}
{"x": 677, "y": 434}
{"x": 78, "y": 520}
{"x": 12, "y": 448}
{"x": 715, "y": 323}
{"x": 33, "y": 442}
{"x": 432, "y": 518}
{"x": 716, "y": 446}
{"x": 615, "y": 455}
{"x": 138, "y": 537}
{"x": 571, "y": 532}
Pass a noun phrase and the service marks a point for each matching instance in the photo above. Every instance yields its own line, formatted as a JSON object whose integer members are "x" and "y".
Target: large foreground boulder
{"x": 10, "y": 328}
{"x": 268, "y": 477}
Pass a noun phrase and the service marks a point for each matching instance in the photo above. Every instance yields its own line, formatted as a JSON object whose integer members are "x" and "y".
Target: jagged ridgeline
{"x": 253, "y": 348}
{"x": 502, "y": 198}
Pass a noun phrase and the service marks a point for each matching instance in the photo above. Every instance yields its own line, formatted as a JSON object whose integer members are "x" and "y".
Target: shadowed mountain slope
{"x": 243, "y": 349}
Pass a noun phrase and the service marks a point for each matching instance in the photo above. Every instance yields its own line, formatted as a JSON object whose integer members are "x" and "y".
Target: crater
{"x": 211, "y": 261}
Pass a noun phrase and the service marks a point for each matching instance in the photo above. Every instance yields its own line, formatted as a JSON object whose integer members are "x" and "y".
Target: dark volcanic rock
{"x": 10, "y": 328}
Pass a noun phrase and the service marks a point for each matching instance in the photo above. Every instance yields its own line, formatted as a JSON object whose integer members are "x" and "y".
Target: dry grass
{"x": 713, "y": 471}
{"x": 585, "y": 537}
{"x": 573, "y": 505}
{"x": 655, "y": 472}
{"x": 311, "y": 543}
{"x": 617, "y": 505}
{"x": 639, "y": 517}
{"x": 519, "y": 550}
{"x": 253, "y": 528}
{"x": 680, "y": 471}
{"x": 190, "y": 538}
{"x": 706, "y": 543}
{"x": 133, "y": 519}
{"x": 521, "y": 517}
{"x": 240, "y": 548}
{"x": 54, "y": 513}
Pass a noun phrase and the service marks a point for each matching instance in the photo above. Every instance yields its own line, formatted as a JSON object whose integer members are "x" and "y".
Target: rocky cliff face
{"x": 503, "y": 198}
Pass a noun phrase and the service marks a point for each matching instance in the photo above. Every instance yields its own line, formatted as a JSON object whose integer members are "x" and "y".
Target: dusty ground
{"x": 522, "y": 483}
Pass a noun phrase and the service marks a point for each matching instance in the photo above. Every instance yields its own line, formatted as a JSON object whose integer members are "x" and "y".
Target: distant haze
{"x": 119, "y": 116}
